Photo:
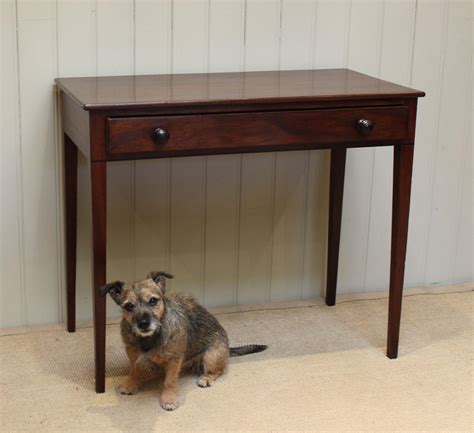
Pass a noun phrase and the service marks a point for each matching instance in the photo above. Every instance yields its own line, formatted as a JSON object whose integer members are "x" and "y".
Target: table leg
{"x": 336, "y": 189}
{"x": 402, "y": 170}
{"x": 99, "y": 203}
{"x": 70, "y": 190}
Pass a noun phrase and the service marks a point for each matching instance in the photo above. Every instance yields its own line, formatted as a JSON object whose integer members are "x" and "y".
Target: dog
{"x": 172, "y": 331}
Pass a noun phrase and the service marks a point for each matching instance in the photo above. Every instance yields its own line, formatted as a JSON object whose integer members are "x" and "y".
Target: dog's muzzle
{"x": 143, "y": 323}
{"x": 145, "y": 326}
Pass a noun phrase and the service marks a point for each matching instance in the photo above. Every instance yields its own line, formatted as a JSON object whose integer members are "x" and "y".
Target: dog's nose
{"x": 143, "y": 322}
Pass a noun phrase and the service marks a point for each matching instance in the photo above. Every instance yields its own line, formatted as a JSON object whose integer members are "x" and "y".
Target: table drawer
{"x": 246, "y": 132}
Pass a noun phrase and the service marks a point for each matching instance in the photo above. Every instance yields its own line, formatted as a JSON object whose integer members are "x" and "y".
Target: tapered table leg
{"x": 99, "y": 197}
{"x": 402, "y": 171}
{"x": 70, "y": 190}
{"x": 336, "y": 189}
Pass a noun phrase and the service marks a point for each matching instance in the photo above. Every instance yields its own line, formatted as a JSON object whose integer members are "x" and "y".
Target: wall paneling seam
{"x": 436, "y": 143}
{"x": 274, "y": 171}
{"x": 348, "y": 33}
{"x": 272, "y": 232}
{"x": 373, "y": 151}
{"x": 58, "y": 156}
{"x": 19, "y": 174}
{"x": 461, "y": 178}
{"x": 133, "y": 174}
{"x": 202, "y": 296}
{"x": 304, "y": 218}
{"x": 413, "y": 40}
{"x": 237, "y": 232}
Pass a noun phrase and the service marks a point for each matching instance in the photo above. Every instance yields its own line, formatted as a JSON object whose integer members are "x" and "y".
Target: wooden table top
{"x": 150, "y": 91}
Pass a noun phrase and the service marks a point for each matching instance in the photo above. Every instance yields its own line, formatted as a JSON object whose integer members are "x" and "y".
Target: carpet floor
{"x": 325, "y": 370}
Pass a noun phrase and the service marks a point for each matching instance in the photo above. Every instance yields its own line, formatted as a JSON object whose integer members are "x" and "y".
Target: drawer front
{"x": 247, "y": 132}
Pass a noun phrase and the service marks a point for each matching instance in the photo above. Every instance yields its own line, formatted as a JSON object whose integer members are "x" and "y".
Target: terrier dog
{"x": 172, "y": 331}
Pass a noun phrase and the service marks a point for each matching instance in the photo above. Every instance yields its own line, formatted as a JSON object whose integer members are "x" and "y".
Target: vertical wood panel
{"x": 395, "y": 62}
{"x": 77, "y": 57}
{"x": 453, "y": 121}
{"x": 11, "y": 269}
{"x": 152, "y": 213}
{"x": 297, "y": 34}
{"x": 363, "y": 56}
{"x": 288, "y": 225}
{"x": 120, "y": 221}
{"x": 226, "y": 50}
{"x": 221, "y": 243}
{"x": 331, "y": 24}
{"x": 291, "y": 170}
{"x": 34, "y": 10}
{"x": 115, "y": 49}
{"x": 365, "y": 36}
{"x": 84, "y": 241}
{"x": 316, "y": 225}
{"x": 331, "y": 33}
{"x": 262, "y": 32}
{"x": 187, "y": 224}
{"x": 463, "y": 263}
{"x": 190, "y": 35}
{"x": 151, "y": 220}
{"x": 115, "y": 57}
{"x": 37, "y": 69}
{"x": 428, "y": 58}
{"x": 226, "y": 35}
{"x": 152, "y": 36}
{"x": 188, "y": 175}
{"x": 256, "y": 218}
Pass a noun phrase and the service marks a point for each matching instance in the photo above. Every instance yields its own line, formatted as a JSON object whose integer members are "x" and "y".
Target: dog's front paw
{"x": 169, "y": 400}
{"x": 204, "y": 382}
{"x": 126, "y": 389}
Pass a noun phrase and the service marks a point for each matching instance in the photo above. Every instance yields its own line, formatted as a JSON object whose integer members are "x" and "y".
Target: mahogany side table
{"x": 160, "y": 116}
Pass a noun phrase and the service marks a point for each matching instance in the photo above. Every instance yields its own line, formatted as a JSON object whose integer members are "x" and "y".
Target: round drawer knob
{"x": 160, "y": 136}
{"x": 365, "y": 126}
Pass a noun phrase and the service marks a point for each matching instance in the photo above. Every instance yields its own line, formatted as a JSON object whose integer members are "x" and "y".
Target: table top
{"x": 149, "y": 91}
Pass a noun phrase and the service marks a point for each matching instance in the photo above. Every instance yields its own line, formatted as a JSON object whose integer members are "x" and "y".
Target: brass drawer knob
{"x": 160, "y": 136}
{"x": 365, "y": 126}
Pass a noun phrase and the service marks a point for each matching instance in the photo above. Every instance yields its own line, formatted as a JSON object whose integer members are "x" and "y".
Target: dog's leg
{"x": 131, "y": 384}
{"x": 214, "y": 363}
{"x": 169, "y": 396}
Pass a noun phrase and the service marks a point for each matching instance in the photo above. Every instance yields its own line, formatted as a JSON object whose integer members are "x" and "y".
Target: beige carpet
{"x": 325, "y": 371}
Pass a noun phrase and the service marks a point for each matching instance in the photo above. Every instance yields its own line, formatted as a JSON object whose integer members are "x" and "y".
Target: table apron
{"x": 205, "y": 134}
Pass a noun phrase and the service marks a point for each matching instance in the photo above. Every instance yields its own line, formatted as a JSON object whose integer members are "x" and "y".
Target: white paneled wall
{"x": 236, "y": 228}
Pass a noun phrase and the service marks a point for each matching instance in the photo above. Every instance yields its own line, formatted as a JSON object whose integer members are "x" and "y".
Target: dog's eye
{"x": 152, "y": 302}
{"x": 128, "y": 306}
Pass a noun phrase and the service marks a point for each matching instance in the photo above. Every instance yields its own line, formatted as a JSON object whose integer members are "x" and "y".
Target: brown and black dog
{"x": 172, "y": 331}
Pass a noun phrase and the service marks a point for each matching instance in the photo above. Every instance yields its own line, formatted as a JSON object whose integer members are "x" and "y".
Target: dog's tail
{"x": 247, "y": 349}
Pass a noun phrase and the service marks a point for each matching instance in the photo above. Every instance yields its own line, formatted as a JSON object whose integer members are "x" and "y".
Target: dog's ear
{"x": 160, "y": 278}
{"x": 115, "y": 289}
